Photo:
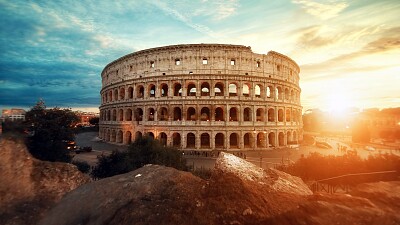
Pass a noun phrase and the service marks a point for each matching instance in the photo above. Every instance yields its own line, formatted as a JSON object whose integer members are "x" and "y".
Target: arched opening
{"x": 150, "y": 135}
{"x": 219, "y": 140}
{"x": 177, "y": 114}
{"x": 177, "y": 89}
{"x": 108, "y": 115}
{"x": 257, "y": 91}
{"x": 151, "y": 112}
{"x": 232, "y": 90}
{"x": 246, "y": 90}
{"x": 219, "y": 89}
{"x": 219, "y": 114}
{"x": 191, "y": 91}
{"x": 294, "y": 137}
{"x": 280, "y": 115}
{"x": 205, "y": 140}
{"x": 270, "y": 92}
{"x": 191, "y": 114}
{"x": 128, "y": 138}
{"x": 260, "y": 115}
{"x": 278, "y": 93}
{"x": 205, "y": 114}
{"x": 205, "y": 89}
{"x": 130, "y": 92}
{"x": 233, "y": 115}
{"x": 289, "y": 138}
{"x": 140, "y": 91}
{"x": 163, "y": 114}
{"x": 176, "y": 140}
{"x": 164, "y": 90}
{"x": 271, "y": 115}
{"x": 113, "y": 136}
{"x": 114, "y": 112}
{"x": 115, "y": 95}
{"x": 163, "y": 138}
{"x": 292, "y": 95}
{"x": 122, "y": 94}
{"x": 247, "y": 114}
{"x": 190, "y": 140}
{"x": 119, "y": 137}
{"x": 233, "y": 141}
{"x": 110, "y": 95}
{"x": 139, "y": 114}
{"x": 128, "y": 115}
{"x": 287, "y": 94}
{"x": 260, "y": 140}
{"x": 138, "y": 135}
{"x": 121, "y": 115}
{"x": 288, "y": 116}
{"x": 247, "y": 140}
{"x": 281, "y": 139}
{"x": 271, "y": 139}
{"x": 152, "y": 90}
{"x": 108, "y": 136}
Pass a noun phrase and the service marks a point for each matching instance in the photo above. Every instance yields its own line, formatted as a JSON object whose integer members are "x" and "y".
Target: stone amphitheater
{"x": 202, "y": 97}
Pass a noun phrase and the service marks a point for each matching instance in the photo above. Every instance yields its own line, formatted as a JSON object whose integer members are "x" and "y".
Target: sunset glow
{"x": 348, "y": 51}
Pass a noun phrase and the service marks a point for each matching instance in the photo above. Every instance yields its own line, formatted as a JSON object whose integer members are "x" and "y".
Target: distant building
{"x": 13, "y": 114}
{"x": 84, "y": 117}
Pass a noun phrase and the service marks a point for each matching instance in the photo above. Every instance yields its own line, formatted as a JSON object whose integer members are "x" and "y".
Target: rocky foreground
{"x": 237, "y": 193}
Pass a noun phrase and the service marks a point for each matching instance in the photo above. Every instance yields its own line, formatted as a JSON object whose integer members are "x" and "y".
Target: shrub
{"x": 84, "y": 167}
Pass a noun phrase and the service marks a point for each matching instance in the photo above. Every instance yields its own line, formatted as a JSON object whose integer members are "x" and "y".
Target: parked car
{"x": 83, "y": 149}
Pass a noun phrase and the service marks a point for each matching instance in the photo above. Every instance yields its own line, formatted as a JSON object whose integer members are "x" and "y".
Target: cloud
{"x": 324, "y": 11}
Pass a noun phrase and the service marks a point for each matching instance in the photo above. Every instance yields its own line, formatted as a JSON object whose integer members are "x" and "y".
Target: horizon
{"x": 347, "y": 51}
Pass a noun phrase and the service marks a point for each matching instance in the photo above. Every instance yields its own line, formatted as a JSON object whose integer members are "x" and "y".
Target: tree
{"x": 51, "y": 129}
{"x": 94, "y": 120}
{"x": 141, "y": 152}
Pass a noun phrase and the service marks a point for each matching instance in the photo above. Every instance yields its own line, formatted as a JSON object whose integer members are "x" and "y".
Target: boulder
{"x": 29, "y": 186}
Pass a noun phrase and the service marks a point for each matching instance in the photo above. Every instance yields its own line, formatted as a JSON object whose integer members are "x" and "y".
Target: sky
{"x": 348, "y": 51}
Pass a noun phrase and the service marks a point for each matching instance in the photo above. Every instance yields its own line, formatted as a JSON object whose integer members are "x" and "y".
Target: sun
{"x": 339, "y": 103}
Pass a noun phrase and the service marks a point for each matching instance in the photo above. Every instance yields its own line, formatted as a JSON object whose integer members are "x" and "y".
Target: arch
{"x": 205, "y": 89}
{"x": 257, "y": 91}
{"x": 190, "y": 140}
{"x": 191, "y": 90}
{"x": 233, "y": 114}
{"x": 233, "y": 141}
{"x": 152, "y": 90}
{"x": 120, "y": 136}
{"x": 246, "y": 90}
{"x": 232, "y": 89}
{"x": 294, "y": 137}
{"x": 287, "y": 94}
{"x": 205, "y": 140}
{"x": 219, "y": 89}
{"x": 128, "y": 114}
{"x": 140, "y": 91}
{"x": 219, "y": 140}
{"x": 177, "y": 89}
{"x": 108, "y": 115}
{"x": 281, "y": 139}
{"x": 164, "y": 90}
{"x": 271, "y": 115}
{"x": 130, "y": 92}
{"x": 122, "y": 93}
{"x": 128, "y": 138}
{"x": 289, "y": 138}
{"x": 121, "y": 115}
{"x": 139, "y": 114}
{"x": 163, "y": 138}
{"x": 150, "y": 135}
{"x": 205, "y": 114}
{"x": 280, "y": 115}
{"x": 191, "y": 114}
{"x": 177, "y": 114}
{"x": 110, "y": 95}
{"x": 113, "y": 136}
{"x": 138, "y": 135}
{"x": 219, "y": 114}
{"x": 270, "y": 91}
{"x": 108, "y": 135}
{"x": 261, "y": 140}
{"x": 114, "y": 115}
{"x": 288, "y": 116}
{"x": 271, "y": 139}
{"x": 247, "y": 114}
{"x": 260, "y": 115}
{"x": 150, "y": 114}
{"x": 176, "y": 140}
{"x": 163, "y": 114}
{"x": 278, "y": 93}
{"x": 292, "y": 95}
{"x": 247, "y": 140}
{"x": 115, "y": 95}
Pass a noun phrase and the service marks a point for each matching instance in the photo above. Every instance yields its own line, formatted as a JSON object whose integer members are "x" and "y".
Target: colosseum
{"x": 202, "y": 97}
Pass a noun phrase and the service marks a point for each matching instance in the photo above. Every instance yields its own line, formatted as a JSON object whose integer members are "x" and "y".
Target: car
{"x": 322, "y": 144}
{"x": 369, "y": 148}
{"x": 70, "y": 145}
{"x": 83, "y": 149}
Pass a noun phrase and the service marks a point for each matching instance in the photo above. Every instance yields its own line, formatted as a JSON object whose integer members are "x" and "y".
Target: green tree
{"x": 94, "y": 120}
{"x": 141, "y": 152}
{"x": 50, "y": 129}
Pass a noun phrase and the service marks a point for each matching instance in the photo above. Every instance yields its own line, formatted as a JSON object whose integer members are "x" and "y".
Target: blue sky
{"x": 348, "y": 51}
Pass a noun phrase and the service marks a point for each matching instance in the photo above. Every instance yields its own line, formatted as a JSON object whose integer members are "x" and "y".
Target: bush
{"x": 141, "y": 152}
{"x": 84, "y": 167}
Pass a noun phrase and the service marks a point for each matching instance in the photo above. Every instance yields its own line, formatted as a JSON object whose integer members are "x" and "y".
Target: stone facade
{"x": 202, "y": 97}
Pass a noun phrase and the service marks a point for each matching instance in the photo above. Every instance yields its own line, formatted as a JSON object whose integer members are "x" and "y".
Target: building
{"x": 84, "y": 117}
{"x": 13, "y": 114}
{"x": 202, "y": 97}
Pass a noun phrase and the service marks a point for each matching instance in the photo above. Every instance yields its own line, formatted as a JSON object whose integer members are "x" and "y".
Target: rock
{"x": 29, "y": 186}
